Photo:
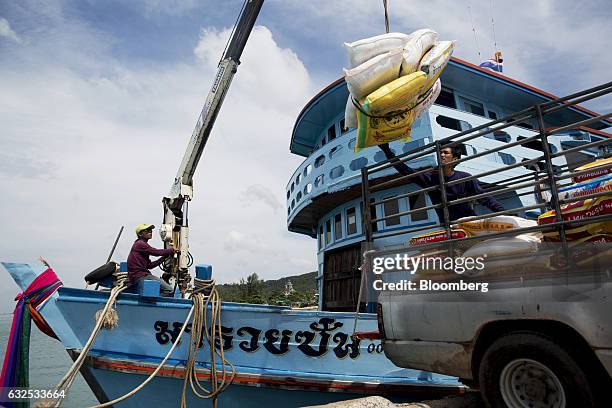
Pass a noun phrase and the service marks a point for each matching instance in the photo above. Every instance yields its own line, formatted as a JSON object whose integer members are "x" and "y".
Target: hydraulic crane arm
{"x": 174, "y": 231}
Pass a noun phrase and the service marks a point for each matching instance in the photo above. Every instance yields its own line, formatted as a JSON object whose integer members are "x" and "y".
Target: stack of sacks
{"x": 598, "y": 180}
{"x": 393, "y": 79}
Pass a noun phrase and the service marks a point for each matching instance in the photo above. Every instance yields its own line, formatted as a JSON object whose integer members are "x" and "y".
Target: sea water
{"x": 49, "y": 361}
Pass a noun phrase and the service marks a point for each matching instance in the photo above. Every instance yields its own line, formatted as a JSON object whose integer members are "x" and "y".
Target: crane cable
{"x": 474, "y": 31}
{"x": 386, "y": 16}
{"x": 232, "y": 32}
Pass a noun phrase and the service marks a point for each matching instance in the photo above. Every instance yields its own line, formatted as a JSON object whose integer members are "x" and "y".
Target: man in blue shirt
{"x": 456, "y": 191}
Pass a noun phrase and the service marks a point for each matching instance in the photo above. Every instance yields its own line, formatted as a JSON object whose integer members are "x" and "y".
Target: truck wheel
{"x": 526, "y": 369}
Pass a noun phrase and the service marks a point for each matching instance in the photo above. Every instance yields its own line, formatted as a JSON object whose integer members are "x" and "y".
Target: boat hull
{"x": 281, "y": 355}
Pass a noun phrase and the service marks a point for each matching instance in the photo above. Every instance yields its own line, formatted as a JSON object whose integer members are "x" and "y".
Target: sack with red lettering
{"x": 579, "y": 210}
{"x": 592, "y": 186}
{"x": 596, "y": 171}
{"x": 436, "y": 236}
{"x": 581, "y": 232}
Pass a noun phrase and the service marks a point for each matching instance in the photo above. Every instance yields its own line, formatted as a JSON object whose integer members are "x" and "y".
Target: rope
{"x": 204, "y": 294}
{"x": 386, "y": 16}
{"x": 69, "y": 377}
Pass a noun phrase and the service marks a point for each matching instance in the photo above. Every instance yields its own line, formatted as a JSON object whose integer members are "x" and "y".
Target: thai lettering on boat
{"x": 313, "y": 343}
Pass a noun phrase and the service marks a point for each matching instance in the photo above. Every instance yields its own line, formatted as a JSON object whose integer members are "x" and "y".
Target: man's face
{"x": 147, "y": 234}
{"x": 446, "y": 155}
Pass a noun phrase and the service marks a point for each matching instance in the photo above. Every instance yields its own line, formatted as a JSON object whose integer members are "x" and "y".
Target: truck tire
{"x": 527, "y": 369}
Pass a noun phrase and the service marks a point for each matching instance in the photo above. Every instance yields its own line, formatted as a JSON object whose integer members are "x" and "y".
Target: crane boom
{"x": 174, "y": 231}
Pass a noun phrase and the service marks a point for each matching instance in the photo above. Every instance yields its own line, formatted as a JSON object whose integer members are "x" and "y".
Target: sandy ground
{"x": 469, "y": 400}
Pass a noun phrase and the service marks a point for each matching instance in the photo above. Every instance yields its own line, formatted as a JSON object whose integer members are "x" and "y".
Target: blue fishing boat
{"x": 280, "y": 355}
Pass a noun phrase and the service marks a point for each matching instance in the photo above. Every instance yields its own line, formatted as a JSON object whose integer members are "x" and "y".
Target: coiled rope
{"x": 105, "y": 319}
{"x": 204, "y": 294}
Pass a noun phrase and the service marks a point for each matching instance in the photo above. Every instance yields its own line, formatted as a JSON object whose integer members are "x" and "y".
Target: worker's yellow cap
{"x": 142, "y": 227}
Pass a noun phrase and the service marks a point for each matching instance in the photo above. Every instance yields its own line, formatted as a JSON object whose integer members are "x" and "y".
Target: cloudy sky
{"x": 98, "y": 100}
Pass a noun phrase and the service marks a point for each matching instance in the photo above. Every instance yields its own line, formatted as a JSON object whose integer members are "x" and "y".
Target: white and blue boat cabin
{"x": 324, "y": 192}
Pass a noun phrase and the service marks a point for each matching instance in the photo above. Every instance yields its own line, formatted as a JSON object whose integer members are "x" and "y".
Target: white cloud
{"x": 6, "y": 31}
{"x": 93, "y": 150}
{"x": 258, "y": 192}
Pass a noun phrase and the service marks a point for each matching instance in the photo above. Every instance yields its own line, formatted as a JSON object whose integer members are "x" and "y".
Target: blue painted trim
{"x": 91, "y": 296}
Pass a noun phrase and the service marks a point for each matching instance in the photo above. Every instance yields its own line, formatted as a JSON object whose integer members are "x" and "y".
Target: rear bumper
{"x": 439, "y": 357}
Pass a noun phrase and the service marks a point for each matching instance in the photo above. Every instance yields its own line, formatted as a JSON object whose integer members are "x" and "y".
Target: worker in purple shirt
{"x": 456, "y": 191}
{"x": 138, "y": 262}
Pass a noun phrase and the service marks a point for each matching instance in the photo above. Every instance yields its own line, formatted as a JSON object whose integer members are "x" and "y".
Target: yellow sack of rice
{"x": 435, "y": 60}
{"x": 597, "y": 171}
{"x": 428, "y": 99}
{"x": 578, "y": 210}
{"x": 495, "y": 224}
{"x": 396, "y": 94}
{"x": 374, "y": 129}
{"x": 581, "y": 232}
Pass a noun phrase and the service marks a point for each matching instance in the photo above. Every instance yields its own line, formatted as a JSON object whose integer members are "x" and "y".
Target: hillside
{"x": 254, "y": 290}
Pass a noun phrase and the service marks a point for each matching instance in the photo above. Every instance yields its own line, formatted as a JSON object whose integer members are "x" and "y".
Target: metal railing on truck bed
{"x": 544, "y": 176}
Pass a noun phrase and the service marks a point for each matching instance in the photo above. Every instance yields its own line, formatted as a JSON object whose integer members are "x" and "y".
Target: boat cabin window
{"x": 338, "y": 226}
{"x": 307, "y": 170}
{"x": 319, "y": 180}
{"x": 334, "y": 151}
{"x": 372, "y": 214}
{"x": 351, "y": 221}
{"x": 507, "y": 158}
{"x": 328, "y": 236}
{"x": 499, "y": 135}
{"x": 343, "y": 128}
{"x": 492, "y": 115}
{"x": 319, "y": 161}
{"x": 331, "y": 133}
{"x": 380, "y": 156}
{"x": 297, "y": 180}
{"x": 446, "y": 98}
{"x": 452, "y": 123}
{"x": 472, "y": 106}
{"x": 358, "y": 163}
{"x": 336, "y": 172}
{"x": 320, "y": 236}
{"x": 390, "y": 208}
{"x": 418, "y": 201}
{"x": 524, "y": 125}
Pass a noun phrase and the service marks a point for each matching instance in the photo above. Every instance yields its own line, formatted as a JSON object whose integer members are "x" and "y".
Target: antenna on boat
{"x": 474, "y": 31}
{"x": 386, "y": 16}
{"x": 493, "y": 27}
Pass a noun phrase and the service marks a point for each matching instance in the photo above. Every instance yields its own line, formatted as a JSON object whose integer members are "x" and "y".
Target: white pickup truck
{"x": 529, "y": 341}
